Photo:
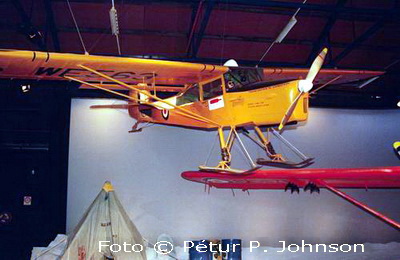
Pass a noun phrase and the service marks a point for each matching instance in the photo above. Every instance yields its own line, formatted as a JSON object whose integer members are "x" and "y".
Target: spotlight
{"x": 398, "y": 104}
{"x": 25, "y": 88}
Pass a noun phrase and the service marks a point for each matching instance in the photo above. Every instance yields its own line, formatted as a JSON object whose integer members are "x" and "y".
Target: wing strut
{"x": 362, "y": 206}
{"x": 123, "y": 84}
{"x": 132, "y": 98}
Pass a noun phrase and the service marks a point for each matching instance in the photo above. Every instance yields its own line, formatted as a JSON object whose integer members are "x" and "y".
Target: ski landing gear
{"x": 276, "y": 159}
{"x": 224, "y": 166}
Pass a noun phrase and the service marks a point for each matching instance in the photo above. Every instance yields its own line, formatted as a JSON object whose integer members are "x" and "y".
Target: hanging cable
{"x": 106, "y": 30}
{"x": 223, "y": 34}
{"x": 292, "y": 22}
{"x": 114, "y": 24}
{"x": 77, "y": 28}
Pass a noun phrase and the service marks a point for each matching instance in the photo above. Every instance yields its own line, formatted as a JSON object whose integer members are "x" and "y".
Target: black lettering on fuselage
{"x": 93, "y": 75}
{"x": 124, "y": 75}
{"x": 72, "y": 72}
{"x": 75, "y": 72}
{"x": 48, "y": 71}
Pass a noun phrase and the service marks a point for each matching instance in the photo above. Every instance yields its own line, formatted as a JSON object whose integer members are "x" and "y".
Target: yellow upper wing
{"x": 324, "y": 75}
{"x": 55, "y": 66}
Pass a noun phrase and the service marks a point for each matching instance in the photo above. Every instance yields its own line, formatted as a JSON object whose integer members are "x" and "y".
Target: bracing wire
{"x": 211, "y": 150}
{"x": 77, "y": 27}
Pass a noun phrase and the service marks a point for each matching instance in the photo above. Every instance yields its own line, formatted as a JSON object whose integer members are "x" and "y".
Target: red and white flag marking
{"x": 215, "y": 103}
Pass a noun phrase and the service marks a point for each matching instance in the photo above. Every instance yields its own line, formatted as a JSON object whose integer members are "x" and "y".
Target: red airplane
{"x": 308, "y": 179}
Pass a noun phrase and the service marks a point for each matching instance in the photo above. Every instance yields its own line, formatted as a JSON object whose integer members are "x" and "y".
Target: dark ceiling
{"x": 359, "y": 33}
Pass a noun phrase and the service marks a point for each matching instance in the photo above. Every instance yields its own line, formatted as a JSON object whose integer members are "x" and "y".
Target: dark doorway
{"x": 34, "y": 130}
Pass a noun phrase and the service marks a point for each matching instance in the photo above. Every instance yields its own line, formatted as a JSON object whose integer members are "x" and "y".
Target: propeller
{"x": 305, "y": 85}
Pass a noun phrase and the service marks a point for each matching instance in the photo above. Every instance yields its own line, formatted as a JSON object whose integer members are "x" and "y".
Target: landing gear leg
{"x": 269, "y": 149}
{"x": 224, "y": 166}
{"x": 225, "y": 163}
{"x": 276, "y": 159}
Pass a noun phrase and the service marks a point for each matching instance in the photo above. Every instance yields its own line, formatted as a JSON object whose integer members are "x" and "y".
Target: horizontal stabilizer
{"x": 117, "y": 106}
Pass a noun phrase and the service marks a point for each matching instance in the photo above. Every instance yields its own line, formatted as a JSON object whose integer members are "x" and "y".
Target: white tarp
{"x": 106, "y": 221}
{"x": 53, "y": 251}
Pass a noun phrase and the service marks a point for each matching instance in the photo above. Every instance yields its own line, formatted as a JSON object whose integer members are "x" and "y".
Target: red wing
{"x": 382, "y": 177}
{"x": 331, "y": 179}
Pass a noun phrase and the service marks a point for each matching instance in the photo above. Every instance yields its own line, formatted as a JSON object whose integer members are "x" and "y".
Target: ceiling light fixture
{"x": 25, "y": 88}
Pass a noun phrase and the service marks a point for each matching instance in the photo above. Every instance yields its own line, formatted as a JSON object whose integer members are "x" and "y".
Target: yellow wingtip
{"x": 280, "y": 127}
{"x": 107, "y": 187}
{"x": 325, "y": 50}
{"x": 396, "y": 145}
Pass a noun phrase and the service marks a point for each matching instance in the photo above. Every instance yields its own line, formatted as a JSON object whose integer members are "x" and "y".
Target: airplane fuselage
{"x": 260, "y": 106}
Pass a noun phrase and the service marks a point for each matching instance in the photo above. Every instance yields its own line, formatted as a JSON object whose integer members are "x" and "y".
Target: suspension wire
{"x": 106, "y": 31}
{"x": 273, "y": 43}
{"x": 266, "y": 52}
{"x": 223, "y": 34}
{"x": 118, "y": 45}
{"x": 77, "y": 28}
{"x": 114, "y": 24}
{"x": 298, "y": 9}
{"x": 392, "y": 64}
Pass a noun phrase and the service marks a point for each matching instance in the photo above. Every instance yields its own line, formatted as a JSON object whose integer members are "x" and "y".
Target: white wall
{"x": 145, "y": 171}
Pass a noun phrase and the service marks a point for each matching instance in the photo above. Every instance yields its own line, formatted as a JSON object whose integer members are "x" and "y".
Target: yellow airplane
{"x": 396, "y": 147}
{"x": 209, "y": 96}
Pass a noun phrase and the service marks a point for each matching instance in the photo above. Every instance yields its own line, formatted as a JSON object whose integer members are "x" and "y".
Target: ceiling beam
{"x": 366, "y": 35}
{"x": 303, "y": 13}
{"x": 367, "y": 47}
{"x": 313, "y": 7}
{"x": 273, "y": 4}
{"x": 324, "y": 36}
{"x": 27, "y": 28}
{"x": 196, "y": 12}
{"x": 357, "y": 42}
{"x": 199, "y": 36}
{"x": 52, "y": 25}
{"x": 231, "y": 38}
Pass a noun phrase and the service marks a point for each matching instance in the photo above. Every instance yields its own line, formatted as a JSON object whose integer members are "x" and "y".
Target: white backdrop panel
{"x": 145, "y": 170}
